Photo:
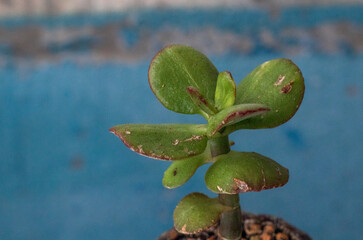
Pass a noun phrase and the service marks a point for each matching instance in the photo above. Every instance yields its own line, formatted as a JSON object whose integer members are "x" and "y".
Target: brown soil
{"x": 254, "y": 227}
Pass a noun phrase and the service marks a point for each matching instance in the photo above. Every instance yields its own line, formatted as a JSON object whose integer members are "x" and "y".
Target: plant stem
{"x": 230, "y": 227}
{"x": 219, "y": 146}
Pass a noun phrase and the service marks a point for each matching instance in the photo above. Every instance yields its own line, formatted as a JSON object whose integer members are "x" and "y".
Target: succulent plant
{"x": 185, "y": 81}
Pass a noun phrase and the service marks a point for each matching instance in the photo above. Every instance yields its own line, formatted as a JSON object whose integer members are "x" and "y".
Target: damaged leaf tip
{"x": 233, "y": 115}
{"x": 200, "y": 101}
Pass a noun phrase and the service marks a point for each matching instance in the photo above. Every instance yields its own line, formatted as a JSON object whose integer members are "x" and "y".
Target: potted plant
{"x": 185, "y": 81}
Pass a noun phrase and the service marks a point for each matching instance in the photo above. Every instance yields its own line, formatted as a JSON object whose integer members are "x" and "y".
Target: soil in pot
{"x": 254, "y": 227}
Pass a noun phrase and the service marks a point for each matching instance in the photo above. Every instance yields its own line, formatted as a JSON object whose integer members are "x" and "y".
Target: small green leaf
{"x": 163, "y": 141}
{"x": 177, "y": 67}
{"x": 225, "y": 91}
{"x": 206, "y": 108}
{"x": 239, "y": 172}
{"x": 197, "y": 212}
{"x": 277, "y": 83}
{"x": 234, "y": 115}
{"x": 179, "y": 172}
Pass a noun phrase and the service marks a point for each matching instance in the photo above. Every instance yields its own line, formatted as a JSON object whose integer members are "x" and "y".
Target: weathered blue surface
{"x": 63, "y": 176}
{"x": 291, "y": 16}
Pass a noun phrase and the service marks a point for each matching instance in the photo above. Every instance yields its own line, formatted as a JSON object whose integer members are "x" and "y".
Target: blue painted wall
{"x": 63, "y": 176}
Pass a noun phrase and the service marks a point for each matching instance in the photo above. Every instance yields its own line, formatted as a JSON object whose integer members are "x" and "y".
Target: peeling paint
{"x": 13, "y": 8}
{"x": 103, "y": 42}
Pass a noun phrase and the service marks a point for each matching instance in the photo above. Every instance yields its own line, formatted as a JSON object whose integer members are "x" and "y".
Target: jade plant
{"x": 185, "y": 81}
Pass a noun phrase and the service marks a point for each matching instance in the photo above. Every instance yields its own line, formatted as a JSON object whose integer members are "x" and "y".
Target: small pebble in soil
{"x": 265, "y": 236}
{"x": 282, "y": 236}
{"x": 255, "y": 237}
{"x": 252, "y": 227}
{"x": 173, "y": 234}
{"x": 269, "y": 229}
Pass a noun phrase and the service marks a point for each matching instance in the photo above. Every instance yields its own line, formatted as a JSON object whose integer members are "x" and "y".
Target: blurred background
{"x": 71, "y": 69}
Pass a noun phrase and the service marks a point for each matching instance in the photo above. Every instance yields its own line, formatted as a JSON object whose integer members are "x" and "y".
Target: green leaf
{"x": 234, "y": 115}
{"x": 179, "y": 172}
{"x": 277, "y": 83}
{"x": 163, "y": 141}
{"x": 177, "y": 67}
{"x": 225, "y": 95}
{"x": 239, "y": 172}
{"x": 206, "y": 109}
{"x": 197, "y": 212}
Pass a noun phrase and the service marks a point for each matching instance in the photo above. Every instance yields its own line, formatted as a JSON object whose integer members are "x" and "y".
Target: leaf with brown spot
{"x": 206, "y": 109}
{"x": 239, "y": 172}
{"x": 163, "y": 141}
{"x": 233, "y": 115}
{"x": 278, "y": 84}
{"x": 287, "y": 88}
{"x": 197, "y": 212}
{"x": 177, "y": 67}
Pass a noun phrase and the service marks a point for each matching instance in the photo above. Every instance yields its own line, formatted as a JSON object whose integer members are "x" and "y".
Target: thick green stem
{"x": 219, "y": 146}
{"x": 230, "y": 227}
